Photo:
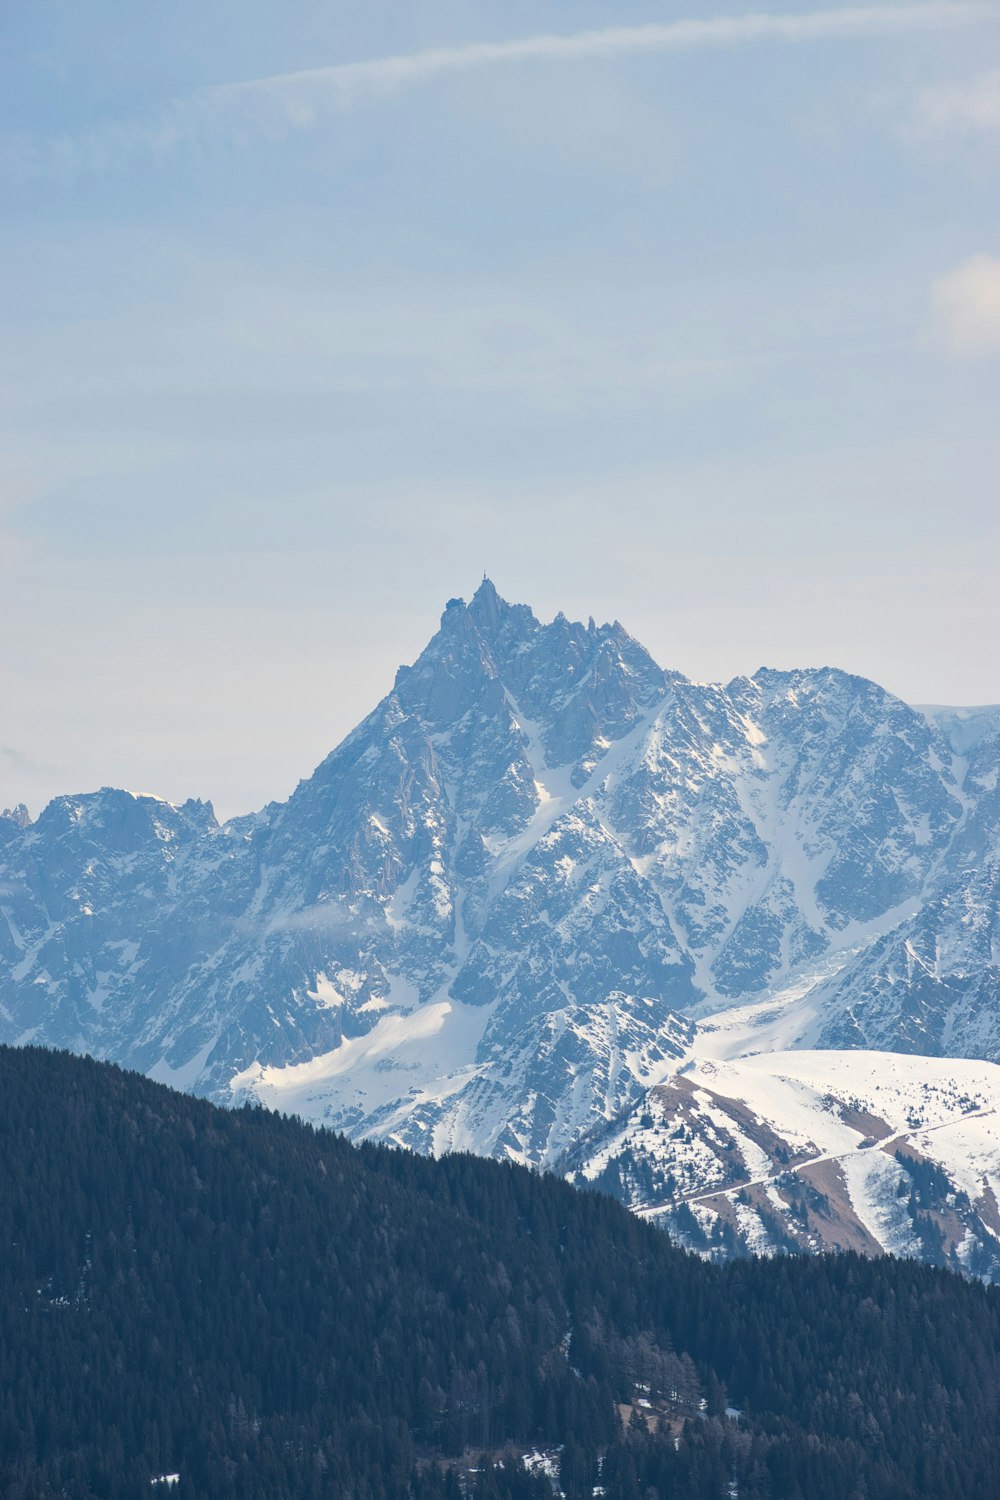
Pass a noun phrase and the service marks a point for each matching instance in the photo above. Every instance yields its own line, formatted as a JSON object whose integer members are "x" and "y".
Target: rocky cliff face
{"x": 493, "y": 916}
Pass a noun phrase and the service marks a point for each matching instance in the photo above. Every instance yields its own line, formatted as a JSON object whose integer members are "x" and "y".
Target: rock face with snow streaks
{"x": 488, "y": 917}
{"x": 931, "y": 983}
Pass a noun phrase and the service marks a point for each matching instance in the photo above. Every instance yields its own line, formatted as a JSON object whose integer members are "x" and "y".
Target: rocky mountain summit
{"x": 498, "y": 914}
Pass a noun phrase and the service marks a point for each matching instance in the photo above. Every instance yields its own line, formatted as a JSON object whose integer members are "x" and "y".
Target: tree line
{"x": 273, "y": 1313}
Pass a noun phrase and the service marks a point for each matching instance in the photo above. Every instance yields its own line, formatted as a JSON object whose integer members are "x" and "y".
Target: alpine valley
{"x": 732, "y": 952}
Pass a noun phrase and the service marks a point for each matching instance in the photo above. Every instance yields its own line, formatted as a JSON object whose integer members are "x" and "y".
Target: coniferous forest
{"x": 264, "y": 1310}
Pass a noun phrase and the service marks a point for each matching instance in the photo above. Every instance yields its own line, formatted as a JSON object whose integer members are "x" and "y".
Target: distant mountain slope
{"x": 490, "y": 917}
{"x": 214, "y": 1303}
{"x": 788, "y": 1152}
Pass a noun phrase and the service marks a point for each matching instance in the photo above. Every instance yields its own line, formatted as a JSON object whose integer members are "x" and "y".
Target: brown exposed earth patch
{"x": 833, "y": 1219}
{"x": 873, "y": 1127}
{"x": 653, "y": 1414}
{"x": 988, "y": 1208}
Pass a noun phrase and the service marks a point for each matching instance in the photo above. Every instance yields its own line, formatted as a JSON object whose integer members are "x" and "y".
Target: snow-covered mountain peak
{"x": 116, "y": 821}
{"x": 488, "y": 915}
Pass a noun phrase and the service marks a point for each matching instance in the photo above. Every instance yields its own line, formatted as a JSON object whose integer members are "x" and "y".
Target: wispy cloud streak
{"x": 970, "y": 106}
{"x": 274, "y": 105}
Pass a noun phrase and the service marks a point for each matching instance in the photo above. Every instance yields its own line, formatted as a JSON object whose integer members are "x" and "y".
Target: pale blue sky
{"x": 695, "y": 327}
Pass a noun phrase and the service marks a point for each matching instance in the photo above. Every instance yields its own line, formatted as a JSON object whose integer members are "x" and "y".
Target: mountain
{"x": 510, "y": 904}
{"x": 203, "y": 1303}
{"x": 931, "y": 984}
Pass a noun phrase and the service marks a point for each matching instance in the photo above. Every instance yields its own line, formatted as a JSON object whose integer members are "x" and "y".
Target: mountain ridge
{"x": 497, "y": 913}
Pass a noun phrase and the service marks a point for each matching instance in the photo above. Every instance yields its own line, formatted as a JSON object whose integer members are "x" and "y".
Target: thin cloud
{"x": 287, "y": 101}
{"x": 967, "y": 307}
{"x": 332, "y": 918}
{"x": 965, "y": 107}
{"x": 17, "y": 761}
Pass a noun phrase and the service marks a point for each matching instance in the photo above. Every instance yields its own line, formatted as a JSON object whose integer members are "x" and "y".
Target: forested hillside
{"x": 268, "y": 1311}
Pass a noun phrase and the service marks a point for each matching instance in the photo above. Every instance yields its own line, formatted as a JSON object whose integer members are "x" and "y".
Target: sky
{"x": 311, "y": 314}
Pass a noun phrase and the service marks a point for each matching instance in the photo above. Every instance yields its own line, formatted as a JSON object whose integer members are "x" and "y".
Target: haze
{"x": 693, "y": 326}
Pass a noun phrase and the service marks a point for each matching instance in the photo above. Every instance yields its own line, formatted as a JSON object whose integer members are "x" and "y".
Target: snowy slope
{"x": 772, "y": 1151}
